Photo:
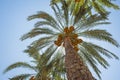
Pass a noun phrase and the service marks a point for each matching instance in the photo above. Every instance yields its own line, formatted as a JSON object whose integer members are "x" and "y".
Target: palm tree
{"x": 45, "y": 68}
{"x": 69, "y": 32}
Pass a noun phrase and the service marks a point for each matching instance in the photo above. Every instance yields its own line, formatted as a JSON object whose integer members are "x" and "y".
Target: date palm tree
{"x": 44, "y": 67}
{"x": 70, "y": 32}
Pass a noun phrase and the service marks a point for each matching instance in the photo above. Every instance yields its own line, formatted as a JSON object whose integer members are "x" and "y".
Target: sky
{"x": 13, "y": 24}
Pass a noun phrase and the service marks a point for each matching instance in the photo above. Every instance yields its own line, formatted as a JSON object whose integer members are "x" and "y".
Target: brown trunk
{"x": 75, "y": 68}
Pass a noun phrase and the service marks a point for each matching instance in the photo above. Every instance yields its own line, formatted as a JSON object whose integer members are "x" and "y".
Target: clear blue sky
{"x": 13, "y": 25}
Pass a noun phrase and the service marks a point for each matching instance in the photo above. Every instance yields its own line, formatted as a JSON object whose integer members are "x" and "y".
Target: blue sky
{"x": 13, "y": 25}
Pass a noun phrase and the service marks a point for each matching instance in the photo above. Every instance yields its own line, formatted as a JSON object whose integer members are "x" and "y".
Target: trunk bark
{"x": 75, "y": 68}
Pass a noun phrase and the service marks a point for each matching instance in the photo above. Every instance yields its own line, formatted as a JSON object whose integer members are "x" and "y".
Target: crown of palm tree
{"x": 53, "y": 30}
{"x": 98, "y": 5}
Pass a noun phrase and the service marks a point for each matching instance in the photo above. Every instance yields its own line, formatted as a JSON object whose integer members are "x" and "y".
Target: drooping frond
{"x": 33, "y": 52}
{"x": 20, "y": 77}
{"x": 49, "y": 53}
{"x": 42, "y": 15}
{"x": 89, "y": 60}
{"x": 95, "y": 54}
{"x": 38, "y": 31}
{"x": 48, "y": 24}
{"x": 99, "y": 8}
{"x": 43, "y": 42}
{"x": 47, "y": 17}
{"x": 47, "y": 64}
{"x": 17, "y": 65}
{"x": 104, "y": 51}
{"x": 109, "y": 3}
{"x": 100, "y": 35}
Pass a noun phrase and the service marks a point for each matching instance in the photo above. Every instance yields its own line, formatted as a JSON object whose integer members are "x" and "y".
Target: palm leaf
{"x": 59, "y": 17}
{"x": 95, "y": 54}
{"x": 65, "y": 9}
{"x": 20, "y": 77}
{"x": 17, "y": 65}
{"x": 45, "y": 16}
{"x": 82, "y": 12}
{"x": 103, "y": 51}
{"x": 43, "y": 42}
{"x": 100, "y": 35}
{"x": 38, "y": 31}
{"x": 99, "y": 8}
{"x": 33, "y": 52}
{"x": 89, "y": 60}
{"x": 91, "y": 20}
{"x": 108, "y": 3}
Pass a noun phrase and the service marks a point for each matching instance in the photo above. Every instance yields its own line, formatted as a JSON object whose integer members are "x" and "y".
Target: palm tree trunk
{"x": 75, "y": 68}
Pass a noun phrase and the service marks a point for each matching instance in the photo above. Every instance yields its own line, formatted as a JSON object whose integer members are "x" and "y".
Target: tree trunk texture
{"x": 75, "y": 68}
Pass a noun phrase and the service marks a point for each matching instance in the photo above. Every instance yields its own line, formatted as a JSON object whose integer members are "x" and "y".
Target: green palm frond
{"x": 49, "y": 24}
{"x": 108, "y": 3}
{"x": 20, "y": 77}
{"x": 33, "y": 52}
{"x": 92, "y": 21}
{"x": 45, "y": 58}
{"x": 90, "y": 60}
{"x": 48, "y": 64}
{"x": 57, "y": 66}
{"x": 99, "y": 8}
{"x": 38, "y": 31}
{"x": 104, "y": 51}
{"x": 59, "y": 17}
{"x": 65, "y": 9}
{"x": 51, "y": 52}
{"x": 17, "y": 65}
{"x": 45, "y": 16}
{"x": 43, "y": 42}
{"x": 82, "y": 12}
{"x": 100, "y": 35}
{"x": 42, "y": 15}
{"x": 95, "y": 54}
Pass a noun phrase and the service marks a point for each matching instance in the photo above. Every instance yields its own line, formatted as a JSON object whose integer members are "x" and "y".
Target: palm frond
{"x": 100, "y": 35}
{"x": 20, "y": 77}
{"x": 49, "y": 24}
{"x": 42, "y": 42}
{"x": 59, "y": 17}
{"x": 38, "y": 31}
{"x": 92, "y": 20}
{"x": 17, "y": 65}
{"x": 95, "y": 54}
{"x": 108, "y": 3}
{"x": 45, "y": 16}
{"x": 82, "y": 12}
{"x": 33, "y": 52}
{"x": 104, "y": 51}
{"x": 42, "y": 15}
{"x": 65, "y": 9}
{"x": 49, "y": 53}
{"x": 52, "y": 2}
{"x": 89, "y": 60}
{"x": 99, "y": 8}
